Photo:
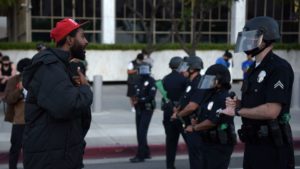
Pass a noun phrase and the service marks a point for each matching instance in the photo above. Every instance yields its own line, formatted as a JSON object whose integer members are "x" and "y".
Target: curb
{"x": 130, "y": 150}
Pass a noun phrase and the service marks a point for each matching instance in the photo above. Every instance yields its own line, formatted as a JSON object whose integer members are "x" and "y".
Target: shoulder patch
{"x": 278, "y": 84}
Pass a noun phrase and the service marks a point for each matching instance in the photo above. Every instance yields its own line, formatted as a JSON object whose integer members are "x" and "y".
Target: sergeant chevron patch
{"x": 278, "y": 84}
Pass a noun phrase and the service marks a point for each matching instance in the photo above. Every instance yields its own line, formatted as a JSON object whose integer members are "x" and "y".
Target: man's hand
{"x": 82, "y": 78}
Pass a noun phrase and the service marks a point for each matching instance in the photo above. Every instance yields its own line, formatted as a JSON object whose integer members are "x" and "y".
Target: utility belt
{"x": 150, "y": 105}
{"x": 168, "y": 105}
{"x": 223, "y": 134}
{"x": 273, "y": 132}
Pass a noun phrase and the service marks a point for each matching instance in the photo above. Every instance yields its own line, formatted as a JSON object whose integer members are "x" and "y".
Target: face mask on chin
{"x": 254, "y": 52}
{"x": 257, "y": 50}
{"x": 77, "y": 51}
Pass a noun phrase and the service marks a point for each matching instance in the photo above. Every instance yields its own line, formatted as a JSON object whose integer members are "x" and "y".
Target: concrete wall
{"x": 112, "y": 65}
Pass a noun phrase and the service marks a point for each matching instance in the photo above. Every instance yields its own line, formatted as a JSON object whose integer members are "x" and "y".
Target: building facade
{"x": 117, "y": 21}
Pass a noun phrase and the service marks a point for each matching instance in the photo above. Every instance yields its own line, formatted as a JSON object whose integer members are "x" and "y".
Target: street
{"x": 159, "y": 163}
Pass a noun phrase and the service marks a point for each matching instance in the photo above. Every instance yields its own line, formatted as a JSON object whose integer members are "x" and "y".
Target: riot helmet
{"x": 195, "y": 63}
{"x": 257, "y": 30}
{"x": 175, "y": 62}
{"x": 214, "y": 75}
{"x": 183, "y": 67}
{"x": 190, "y": 63}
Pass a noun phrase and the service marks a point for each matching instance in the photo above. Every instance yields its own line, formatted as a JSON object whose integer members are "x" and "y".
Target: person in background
{"x": 147, "y": 58}
{"x": 132, "y": 71}
{"x": 224, "y": 60}
{"x": 8, "y": 69}
{"x": 185, "y": 112}
{"x": 14, "y": 97}
{"x": 1, "y": 56}
{"x": 217, "y": 131}
{"x": 144, "y": 102}
{"x": 174, "y": 84}
{"x": 246, "y": 65}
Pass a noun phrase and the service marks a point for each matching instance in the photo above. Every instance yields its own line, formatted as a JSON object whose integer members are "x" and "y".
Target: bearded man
{"x": 55, "y": 105}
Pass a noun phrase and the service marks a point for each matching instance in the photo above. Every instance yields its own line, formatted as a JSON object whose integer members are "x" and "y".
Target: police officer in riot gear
{"x": 217, "y": 131}
{"x": 144, "y": 102}
{"x": 187, "y": 108}
{"x": 266, "y": 98}
{"x": 174, "y": 84}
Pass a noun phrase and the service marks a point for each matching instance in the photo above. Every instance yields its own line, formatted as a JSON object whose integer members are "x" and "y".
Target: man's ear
{"x": 70, "y": 40}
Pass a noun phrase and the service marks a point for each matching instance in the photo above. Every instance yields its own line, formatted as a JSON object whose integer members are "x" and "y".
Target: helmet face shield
{"x": 248, "y": 40}
{"x": 183, "y": 67}
{"x": 144, "y": 70}
{"x": 207, "y": 82}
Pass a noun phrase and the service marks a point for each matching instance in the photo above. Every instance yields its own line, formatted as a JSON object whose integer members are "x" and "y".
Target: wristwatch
{"x": 236, "y": 111}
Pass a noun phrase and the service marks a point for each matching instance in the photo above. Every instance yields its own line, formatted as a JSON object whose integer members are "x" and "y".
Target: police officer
{"x": 266, "y": 98}
{"x": 144, "y": 102}
{"x": 187, "y": 109}
{"x": 174, "y": 84}
{"x": 217, "y": 131}
{"x": 132, "y": 71}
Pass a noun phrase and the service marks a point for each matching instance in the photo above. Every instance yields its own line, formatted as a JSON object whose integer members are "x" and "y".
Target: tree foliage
{"x": 193, "y": 15}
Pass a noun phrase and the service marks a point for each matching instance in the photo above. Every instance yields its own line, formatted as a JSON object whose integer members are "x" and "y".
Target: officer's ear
{"x": 217, "y": 84}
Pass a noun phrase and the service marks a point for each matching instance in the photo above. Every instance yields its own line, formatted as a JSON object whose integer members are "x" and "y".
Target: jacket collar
{"x": 62, "y": 55}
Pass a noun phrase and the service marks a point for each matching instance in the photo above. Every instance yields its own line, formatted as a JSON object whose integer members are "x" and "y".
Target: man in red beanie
{"x": 56, "y": 106}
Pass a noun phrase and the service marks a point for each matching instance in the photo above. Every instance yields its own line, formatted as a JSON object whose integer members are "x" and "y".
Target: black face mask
{"x": 77, "y": 51}
{"x": 254, "y": 51}
{"x": 257, "y": 50}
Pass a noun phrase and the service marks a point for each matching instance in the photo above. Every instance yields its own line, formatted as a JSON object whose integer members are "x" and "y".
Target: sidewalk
{"x": 113, "y": 134}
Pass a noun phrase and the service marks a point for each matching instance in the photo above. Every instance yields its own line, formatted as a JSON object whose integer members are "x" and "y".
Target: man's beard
{"x": 77, "y": 51}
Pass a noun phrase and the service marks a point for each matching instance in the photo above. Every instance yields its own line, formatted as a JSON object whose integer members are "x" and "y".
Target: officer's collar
{"x": 265, "y": 60}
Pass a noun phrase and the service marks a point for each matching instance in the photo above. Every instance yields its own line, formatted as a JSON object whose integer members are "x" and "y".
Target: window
{"x": 46, "y": 13}
{"x": 285, "y": 12}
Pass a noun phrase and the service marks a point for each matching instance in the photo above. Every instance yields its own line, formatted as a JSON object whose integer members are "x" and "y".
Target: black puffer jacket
{"x": 54, "y": 134}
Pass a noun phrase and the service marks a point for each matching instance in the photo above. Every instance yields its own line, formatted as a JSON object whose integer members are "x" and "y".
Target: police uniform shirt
{"x": 269, "y": 82}
{"x": 175, "y": 84}
{"x": 209, "y": 108}
{"x": 146, "y": 89}
{"x": 191, "y": 92}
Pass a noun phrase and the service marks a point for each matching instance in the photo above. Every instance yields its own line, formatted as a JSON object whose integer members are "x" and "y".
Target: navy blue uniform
{"x": 220, "y": 138}
{"x": 145, "y": 91}
{"x": 174, "y": 83}
{"x": 193, "y": 140}
{"x": 270, "y": 82}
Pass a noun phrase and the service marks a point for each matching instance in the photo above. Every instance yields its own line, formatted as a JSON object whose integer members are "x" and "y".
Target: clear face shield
{"x": 248, "y": 40}
{"x": 207, "y": 82}
{"x": 144, "y": 70}
{"x": 183, "y": 67}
